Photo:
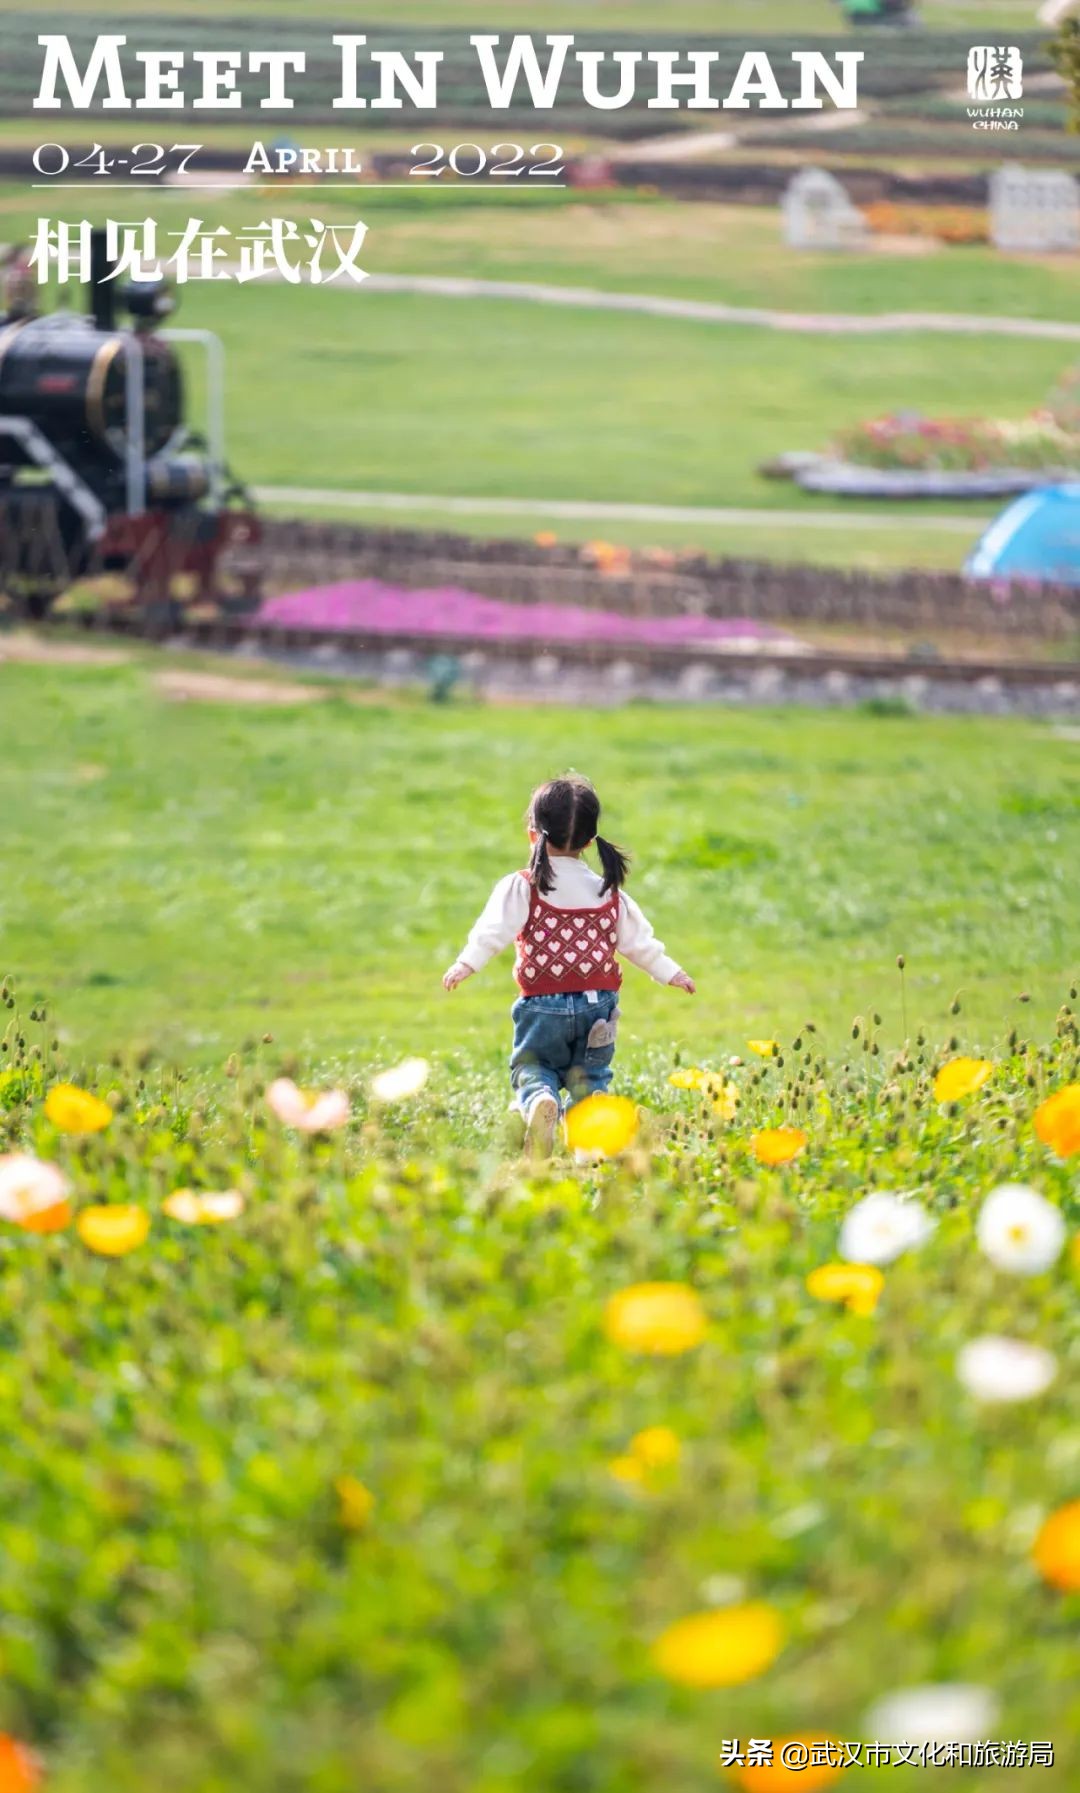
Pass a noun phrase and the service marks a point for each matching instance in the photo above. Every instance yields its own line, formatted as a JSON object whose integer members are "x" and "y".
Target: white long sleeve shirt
{"x": 577, "y": 886}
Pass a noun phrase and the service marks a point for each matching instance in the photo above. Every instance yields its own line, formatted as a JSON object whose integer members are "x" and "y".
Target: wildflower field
{"x": 344, "y": 1449}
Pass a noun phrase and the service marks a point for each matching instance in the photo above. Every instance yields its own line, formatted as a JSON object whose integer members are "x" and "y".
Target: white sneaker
{"x": 540, "y": 1128}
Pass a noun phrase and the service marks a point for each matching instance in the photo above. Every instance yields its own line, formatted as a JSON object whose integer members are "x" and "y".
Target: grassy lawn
{"x": 690, "y": 17}
{"x": 193, "y": 874}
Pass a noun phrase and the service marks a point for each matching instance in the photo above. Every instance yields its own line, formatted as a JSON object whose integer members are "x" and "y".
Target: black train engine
{"x": 98, "y": 473}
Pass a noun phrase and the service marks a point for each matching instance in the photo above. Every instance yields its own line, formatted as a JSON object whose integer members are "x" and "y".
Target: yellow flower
{"x": 76, "y": 1110}
{"x": 764, "y": 1048}
{"x": 723, "y": 1095}
{"x": 775, "y": 1777}
{"x": 1057, "y": 1121}
{"x": 115, "y": 1230}
{"x": 721, "y": 1648}
{"x": 627, "y": 1469}
{"x": 1057, "y": 1548}
{"x": 196, "y": 1209}
{"x": 960, "y": 1077}
{"x": 778, "y": 1145}
{"x": 687, "y": 1077}
{"x": 725, "y": 1099}
{"x": 657, "y": 1447}
{"x": 603, "y": 1124}
{"x": 658, "y": 1318}
{"x": 857, "y": 1286}
{"x": 355, "y": 1503}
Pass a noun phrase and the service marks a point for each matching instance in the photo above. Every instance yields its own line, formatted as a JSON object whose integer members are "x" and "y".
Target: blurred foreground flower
{"x": 778, "y": 1145}
{"x": 720, "y": 1648}
{"x": 33, "y": 1194}
{"x": 723, "y": 1094}
{"x": 1004, "y": 1369}
{"x": 1056, "y": 1550}
{"x": 18, "y": 1770}
{"x": 401, "y": 1081}
{"x": 308, "y": 1111}
{"x": 857, "y": 1286}
{"x": 660, "y": 1319}
{"x": 115, "y": 1230}
{"x": 881, "y": 1226}
{"x": 961, "y": 1077}
{"x": 940, "y": 1712}
{"x": 601, "y": 1123}
{"x": 355, "y": 1503}
{"x": 76, "y": 1110}
{"x": 764, "y": 1048}
{"x": 775, "y": 1777}
{"x": 195, "y": 1208}
{"x": 1019, "y": 1230}
{"x": 646, "y": 1457}
{"x": 1057, "y": 1121}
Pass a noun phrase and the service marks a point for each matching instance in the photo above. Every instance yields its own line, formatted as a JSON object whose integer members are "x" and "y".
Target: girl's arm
{"x": 504, "y": 915}
{"x": 637, "y": 942}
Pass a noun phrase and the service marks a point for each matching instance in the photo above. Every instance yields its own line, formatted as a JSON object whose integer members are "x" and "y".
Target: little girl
{"x": 568, "y": 923}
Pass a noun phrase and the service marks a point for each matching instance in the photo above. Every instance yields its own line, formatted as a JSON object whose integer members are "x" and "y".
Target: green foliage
{"x": 179, "y": 1604}
{"x": 1065, "y": 55}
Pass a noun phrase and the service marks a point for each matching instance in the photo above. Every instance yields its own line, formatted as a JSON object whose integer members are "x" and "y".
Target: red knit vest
{"x": 567, "y": 949}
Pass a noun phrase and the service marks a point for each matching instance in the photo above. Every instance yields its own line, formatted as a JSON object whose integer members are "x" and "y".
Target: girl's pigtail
{"x": 615, "y": 863}
{"x": 540, "y": 864}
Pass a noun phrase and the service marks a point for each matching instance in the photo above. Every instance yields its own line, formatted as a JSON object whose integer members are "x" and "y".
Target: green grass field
{"x": 192, "y": 875}
{"x": 340, "y": 1494}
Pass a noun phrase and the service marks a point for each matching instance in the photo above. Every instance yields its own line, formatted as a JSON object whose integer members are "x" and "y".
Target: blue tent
{"x": 1035, "y": 537}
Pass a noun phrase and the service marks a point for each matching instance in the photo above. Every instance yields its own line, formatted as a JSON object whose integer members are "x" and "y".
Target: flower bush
{"x": 907, "y": 440}
{"x": 363, "y": 1456}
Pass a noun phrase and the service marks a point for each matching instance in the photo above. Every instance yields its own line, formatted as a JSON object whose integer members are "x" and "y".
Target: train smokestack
{"x": 102, "y": 289}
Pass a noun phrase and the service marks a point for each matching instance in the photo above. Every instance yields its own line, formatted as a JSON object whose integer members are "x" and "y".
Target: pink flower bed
{"x": 369, "y": 606}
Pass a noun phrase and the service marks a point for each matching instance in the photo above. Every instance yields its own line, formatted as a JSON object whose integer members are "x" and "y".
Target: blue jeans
{"x": 563, "y": 1042}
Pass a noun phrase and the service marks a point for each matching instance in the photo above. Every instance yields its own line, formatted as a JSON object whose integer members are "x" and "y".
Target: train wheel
{"x": 43, "y": 549}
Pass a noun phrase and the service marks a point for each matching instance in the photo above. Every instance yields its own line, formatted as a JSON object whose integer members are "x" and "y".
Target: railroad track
{"x": 601, "y": 671}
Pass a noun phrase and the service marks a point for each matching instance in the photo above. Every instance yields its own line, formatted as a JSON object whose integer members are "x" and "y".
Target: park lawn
{"x": 689, "y": 17}
{"x": 190, "y": 875}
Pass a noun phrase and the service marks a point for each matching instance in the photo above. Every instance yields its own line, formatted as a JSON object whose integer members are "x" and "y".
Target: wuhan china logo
{"x": 995, "y": 74}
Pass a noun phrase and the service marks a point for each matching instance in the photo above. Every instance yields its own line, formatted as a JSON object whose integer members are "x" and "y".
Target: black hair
{"x": 566, "y": 811}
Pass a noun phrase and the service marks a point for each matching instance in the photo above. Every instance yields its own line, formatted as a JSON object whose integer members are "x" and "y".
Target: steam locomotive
{"x": 98, "y": 473}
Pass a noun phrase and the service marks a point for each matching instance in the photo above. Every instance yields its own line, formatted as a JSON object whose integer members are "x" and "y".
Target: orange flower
{"x": 603, "y": 1124}
{"x": 720, "y": 1648}
{"x": 1057, "y": 1121}
{"x": 1057, "y": 1548}
{"x": 778, "y": 1145}
{"x": 857, "y": 1286}
{"x": 660, "y": 1319}
{"x": 774, "y": 1777}
{"x": 114, "y": 1230}
{"x": 960, "y": 1077}
{"x": 33, "y": 1194}
{"x": 18, "y": 1769}
{"x": 75, "y": 1110}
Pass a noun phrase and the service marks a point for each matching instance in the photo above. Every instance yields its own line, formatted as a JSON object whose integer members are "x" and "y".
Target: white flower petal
{"x": 941, "y": 1712}
{"x": 401, "y": 1081}
{"x": 881, "y": 1226}
{"x": 1019, "y": 1230}
{"x": 1004, "y": 1369}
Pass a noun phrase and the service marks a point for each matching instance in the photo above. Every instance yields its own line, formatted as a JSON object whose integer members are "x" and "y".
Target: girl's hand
{"x": 682, "y": 982}
{"x": 456, "y": 975}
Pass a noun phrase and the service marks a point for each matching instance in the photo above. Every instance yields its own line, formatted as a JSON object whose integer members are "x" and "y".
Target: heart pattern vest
{"x": 567, "y": 949}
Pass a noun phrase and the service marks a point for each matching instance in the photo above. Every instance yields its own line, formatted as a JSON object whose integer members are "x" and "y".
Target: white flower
{"x": 29, "y": 1186}
{"x": 1001, "y": 1369}
{"x": 881, "y": 1226}
{"x": 1019, "y": 1230}
{"x": 402, "y": 1081}
{"x": 309, "y": 1111}
{"x": 942, "y": 1712}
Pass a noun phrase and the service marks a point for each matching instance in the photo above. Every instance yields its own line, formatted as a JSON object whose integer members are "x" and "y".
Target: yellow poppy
{"x": 725, "y": 1099}
{"x": 75, "y": 1110}
{"x": 720, "y": 1648}
{"x": 196, "y": 1209}
{"x": 657, "y": 1447}
{"x": 18, "y": 1770}
{"x": 687, "y": 1077}
{"x": 603, "y": 1124}
{"x": 627, "y": 1469}
{"x": 660, "y": 1319}
{"x": 774, "y": 1777}
{"x": 764, "y": 1048}
{"x": 115, "y": 1230}
{"x": 961, "y": 1077}
{"x": 857, "y": 1286}
{"x": 1057, "y": 1548}
{"x": 355, "y": 1503}
{"x": 1057, "y": 1121}
{"x": 778, "y": 1145}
